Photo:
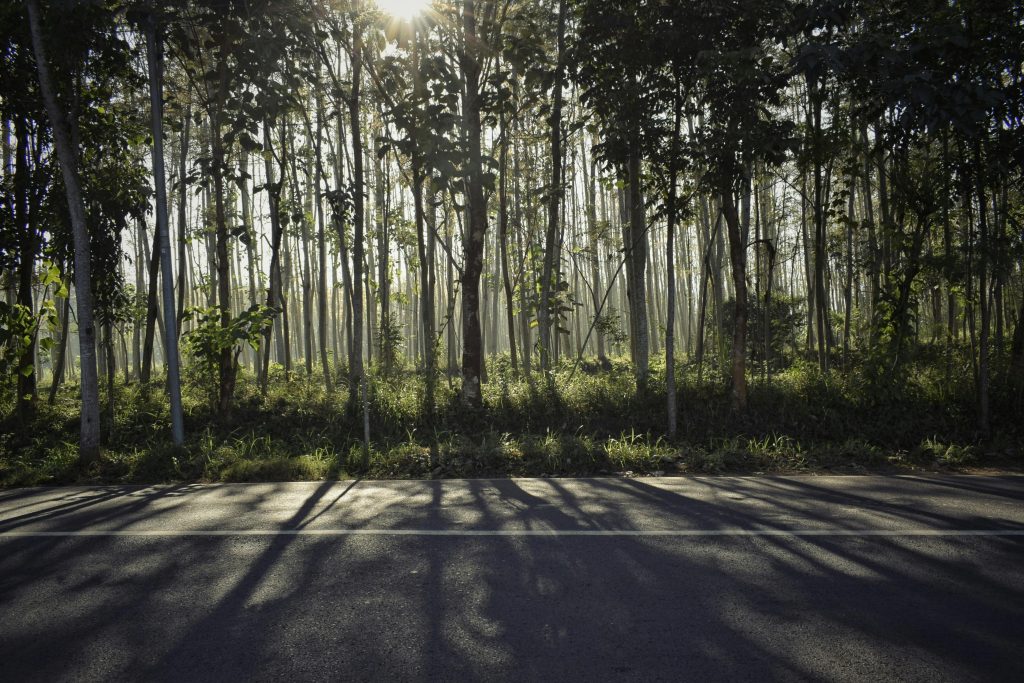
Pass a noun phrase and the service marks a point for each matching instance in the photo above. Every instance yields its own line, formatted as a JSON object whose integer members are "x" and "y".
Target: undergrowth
{"x": 587, "y": 421}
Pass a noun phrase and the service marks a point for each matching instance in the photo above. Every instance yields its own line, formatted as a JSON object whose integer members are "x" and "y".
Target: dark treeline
{"x": 331, "y": 190}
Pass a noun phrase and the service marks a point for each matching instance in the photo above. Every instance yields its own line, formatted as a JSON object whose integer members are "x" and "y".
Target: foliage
{"x": 590, "y": 423}
{"x": 20, "y": 327}
{"x": 211, "y": 336}
{"x": 785, "y": 320}
{"x": 608, "y": 325}
{"x": 880, "y": 141}
{"x": 390, "y": 343}
{"x": 17, "y": 330}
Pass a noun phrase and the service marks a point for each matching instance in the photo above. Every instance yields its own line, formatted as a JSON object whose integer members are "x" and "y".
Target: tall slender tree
{"x": 89, "y": 435}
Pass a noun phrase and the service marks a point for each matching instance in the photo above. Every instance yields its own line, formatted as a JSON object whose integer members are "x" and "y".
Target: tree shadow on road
{"x": 522, "y": 608}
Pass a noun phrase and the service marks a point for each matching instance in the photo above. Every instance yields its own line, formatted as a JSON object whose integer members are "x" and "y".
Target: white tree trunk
{"x": 89, "y": 439}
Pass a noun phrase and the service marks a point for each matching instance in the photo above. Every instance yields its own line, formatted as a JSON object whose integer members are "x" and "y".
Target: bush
{"x": 588, "y": 421}
{"x": 785, "y": 322}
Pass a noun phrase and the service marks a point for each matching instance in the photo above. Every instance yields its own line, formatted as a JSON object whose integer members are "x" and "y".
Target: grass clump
{"x": 588, "y": 420}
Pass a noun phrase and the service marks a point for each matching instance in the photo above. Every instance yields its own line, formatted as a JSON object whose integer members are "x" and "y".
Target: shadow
{"x": 330, "y": 505}
{"x": 232, "y": 607}
{"x": 71, "y": 504}
{"x": 19, "y": 493}
{"x": 969, "y": 483}
{"x": 515, "y": 607}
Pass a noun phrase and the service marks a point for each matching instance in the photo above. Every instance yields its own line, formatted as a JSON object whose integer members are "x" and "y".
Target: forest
{"x": 304, "y": 239}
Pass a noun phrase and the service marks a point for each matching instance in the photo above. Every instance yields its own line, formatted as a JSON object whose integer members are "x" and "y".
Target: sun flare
{"x": 403, "y": 9}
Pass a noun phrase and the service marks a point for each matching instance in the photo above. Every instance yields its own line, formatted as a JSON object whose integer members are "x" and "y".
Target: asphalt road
{"x": 717, "y": 578}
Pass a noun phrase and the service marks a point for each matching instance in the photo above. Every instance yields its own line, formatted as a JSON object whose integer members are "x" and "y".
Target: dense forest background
{"x": 299, "y": 238}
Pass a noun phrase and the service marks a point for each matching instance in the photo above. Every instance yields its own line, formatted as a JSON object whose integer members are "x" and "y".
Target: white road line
{"x": 509, "y": 532}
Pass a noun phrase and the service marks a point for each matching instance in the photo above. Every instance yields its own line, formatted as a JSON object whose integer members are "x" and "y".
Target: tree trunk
{"x": 983, "y": 299}
{"x": 110, "y": 366}
{"x": 387, "y": 349}
{"x": 738, "y": 258}
{"x": 554, "y": 195}
{"x": 163, "y": 240}
{"x": 506, "y": 276}
{"x": 137, "y": 321}
{"x": 89, "y": 438}
{"x": 303, "y": 208}
{"x": 524, "y": 299}
{"x": 284, "y": 269}
{"x": 426, "y": 288}
{"x": 151, "y": 309}
{"x": 27, "y": 371}
{"x": 183, "y": 217}
{"x": 226, "y": 363}
{"x": 823, "y": 326}
{"x": 590, "y": 180}
{"x": 250, "y": 237}
{"x": 635, "y": 244}
{"x": 848, "y": 291}
{"x": 357, "y": 369}
{"x": 670, "y": 267}
{"x": 321, "y": 238}
{"x": 476, "y": 228}
{"x": 1017, "y": 360}
{"x": 58, "y": 369}
{"x": 274, "y": 285}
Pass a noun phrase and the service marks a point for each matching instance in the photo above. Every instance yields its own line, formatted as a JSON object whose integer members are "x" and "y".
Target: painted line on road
{"x": 171, "y": 533}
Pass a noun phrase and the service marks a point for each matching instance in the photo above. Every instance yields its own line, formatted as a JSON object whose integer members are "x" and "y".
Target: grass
{"x": 590, "y": 422}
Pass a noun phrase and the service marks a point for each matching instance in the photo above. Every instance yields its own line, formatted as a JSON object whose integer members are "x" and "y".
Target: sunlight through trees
{"x": 459, "y": 197}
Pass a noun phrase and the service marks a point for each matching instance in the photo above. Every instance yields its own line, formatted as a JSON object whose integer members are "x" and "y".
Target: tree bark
{"x": 1017, "y": 360}
{"x": 227, "y": 367}
{"x": 274, "y": 285}
{"x": 590, "y": 180}
{"x": 823, "y": 326}
{"x": 983, "y": 298}
{"x": 29, "y": 244}
{"x": 89, "y": 437}
{"x": 506, "y": 276}
{"x": 357, "y": 369}
{"x": 670, "y": 267}
{"x": 554, "y": 196}
{"x": 387, "y": 349}
{"x": 151, "y": 309}
{"x": 321, "y": 238}
{"x": 426, "y": 288}
{"x": 62, "y": 346}
{"x": 738, "y": 258}
{"x": 163, "y": 240}
{"x": 183, "y": 217}
{"x": 635, "y": 242}
{"x": 476, "y": 228}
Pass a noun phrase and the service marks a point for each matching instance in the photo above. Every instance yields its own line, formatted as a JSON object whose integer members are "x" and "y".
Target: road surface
{"x": 707, "y": 578}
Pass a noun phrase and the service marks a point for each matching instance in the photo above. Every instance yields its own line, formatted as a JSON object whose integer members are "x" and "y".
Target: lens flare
{"x": 403, "y": 9}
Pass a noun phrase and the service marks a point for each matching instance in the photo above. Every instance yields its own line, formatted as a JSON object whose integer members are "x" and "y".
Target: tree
{"x": 742, "y": 77}
{"x": 622, "y": 77}
{"x": 723, "y": 182}
{"x": 555, "y": 192}
{"x": 89, "y": 439}
{"x": 476, "y": 212}
{"x": 357, "y": 368}
{"x": 154, "y": 54}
